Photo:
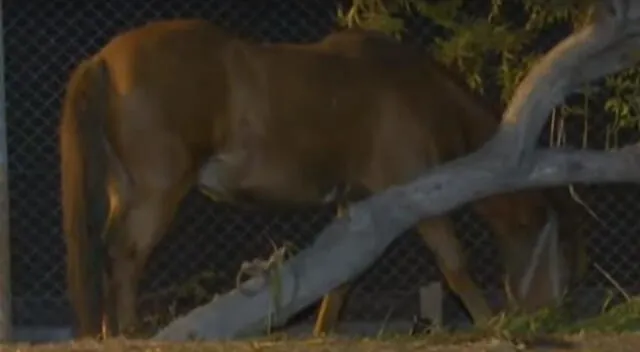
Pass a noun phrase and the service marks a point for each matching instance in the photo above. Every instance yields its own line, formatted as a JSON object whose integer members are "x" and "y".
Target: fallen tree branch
{"x": 351, "y": 244}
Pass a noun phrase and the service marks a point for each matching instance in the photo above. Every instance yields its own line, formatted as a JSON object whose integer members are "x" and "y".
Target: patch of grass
{"x": 551, "y": 329}
{"x": 624, "y": 317}
{"x": 556, "y": 322}
{"x": 546, "y": 327}
{"x": 162, "y": 306}
{"x": 544, "y": 321}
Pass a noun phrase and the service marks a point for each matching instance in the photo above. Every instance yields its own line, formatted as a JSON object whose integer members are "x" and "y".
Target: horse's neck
{"x": 479, "y": 120}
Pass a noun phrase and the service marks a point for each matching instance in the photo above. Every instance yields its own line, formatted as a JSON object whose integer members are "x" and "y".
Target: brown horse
{"x": 175, "y": 103}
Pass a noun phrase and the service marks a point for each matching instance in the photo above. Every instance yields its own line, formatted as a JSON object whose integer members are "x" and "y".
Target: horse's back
{"x": 346, "y": 105}
{"x": 322, "y": 104}
{"x": 363, "y": 43}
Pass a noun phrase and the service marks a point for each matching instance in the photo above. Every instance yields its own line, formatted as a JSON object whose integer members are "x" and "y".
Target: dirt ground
{"x": 585, "y": 342}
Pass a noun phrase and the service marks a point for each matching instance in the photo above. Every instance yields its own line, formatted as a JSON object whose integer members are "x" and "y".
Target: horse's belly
{"x": 213, "y": 181}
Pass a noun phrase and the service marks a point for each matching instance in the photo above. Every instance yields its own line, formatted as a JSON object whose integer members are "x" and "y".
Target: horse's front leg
{"x": 439, "y": 235}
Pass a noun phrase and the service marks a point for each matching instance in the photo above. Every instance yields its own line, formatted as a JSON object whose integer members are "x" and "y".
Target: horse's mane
{"x": 381, "y": 45}
{"x": 456, "y": 77}
{"x": 479, "y": 118}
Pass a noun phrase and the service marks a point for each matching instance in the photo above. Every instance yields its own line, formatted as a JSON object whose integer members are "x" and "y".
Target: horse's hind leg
{"x": 140, "y": 223}
{"x": 332, "y": 302}
{"x": 439, "y": 235}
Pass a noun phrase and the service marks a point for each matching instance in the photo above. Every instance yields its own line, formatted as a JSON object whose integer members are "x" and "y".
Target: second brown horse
{"x": 172, "y": 104}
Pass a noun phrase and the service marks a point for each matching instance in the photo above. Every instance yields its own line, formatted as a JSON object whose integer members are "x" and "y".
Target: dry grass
{"x": 578, "y": 342}
{"x": 618, "y": 329}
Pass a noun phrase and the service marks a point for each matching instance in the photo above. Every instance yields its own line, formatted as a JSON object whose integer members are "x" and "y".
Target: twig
{"x": 615, "y": 283}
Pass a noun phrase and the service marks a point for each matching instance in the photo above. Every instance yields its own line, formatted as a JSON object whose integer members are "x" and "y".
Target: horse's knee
{"x": 439, "y": 236}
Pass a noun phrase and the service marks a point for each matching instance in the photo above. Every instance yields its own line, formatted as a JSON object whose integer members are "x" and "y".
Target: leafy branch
{"x": 496, "y": 48}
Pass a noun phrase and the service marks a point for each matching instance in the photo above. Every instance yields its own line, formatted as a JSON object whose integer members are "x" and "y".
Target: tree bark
{"x": 349, "y": 245}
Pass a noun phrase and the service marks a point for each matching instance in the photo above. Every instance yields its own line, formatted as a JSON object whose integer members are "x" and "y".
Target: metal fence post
{"x": 5, "y": 259}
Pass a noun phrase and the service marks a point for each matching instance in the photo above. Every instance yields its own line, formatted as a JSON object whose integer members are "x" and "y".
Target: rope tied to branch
{"x": 269, "y": 271}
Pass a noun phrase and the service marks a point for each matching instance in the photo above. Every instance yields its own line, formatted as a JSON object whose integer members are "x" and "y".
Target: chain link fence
{"x": 200, "y": 256}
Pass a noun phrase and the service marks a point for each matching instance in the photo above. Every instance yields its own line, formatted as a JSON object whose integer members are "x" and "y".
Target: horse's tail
{"x": 84, "y": 197}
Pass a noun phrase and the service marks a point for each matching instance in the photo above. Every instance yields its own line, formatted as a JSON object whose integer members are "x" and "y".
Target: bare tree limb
{"x": 620, "y": 56}
{"x": 561, "y": 70}
{"x": 351, "y": 244}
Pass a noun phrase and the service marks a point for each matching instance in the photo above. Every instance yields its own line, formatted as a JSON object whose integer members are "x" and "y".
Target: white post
{"x": 5, "y": 259}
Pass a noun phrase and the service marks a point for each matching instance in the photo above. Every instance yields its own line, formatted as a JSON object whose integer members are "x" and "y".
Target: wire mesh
{"x": 207, "y": 242}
